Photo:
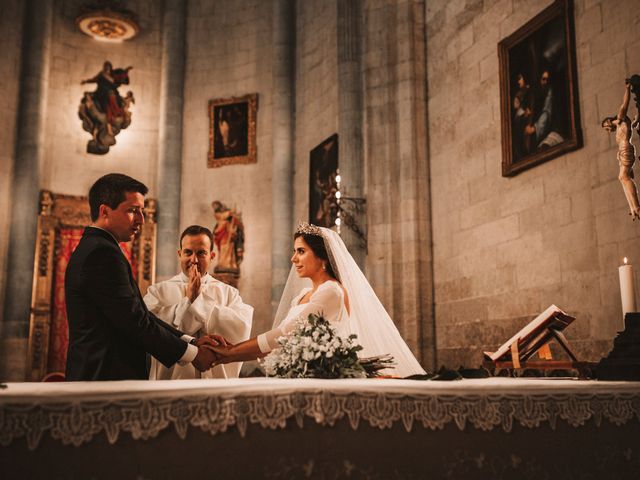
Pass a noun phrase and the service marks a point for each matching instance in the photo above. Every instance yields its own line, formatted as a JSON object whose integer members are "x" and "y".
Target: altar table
{"x": 273, "y": 428}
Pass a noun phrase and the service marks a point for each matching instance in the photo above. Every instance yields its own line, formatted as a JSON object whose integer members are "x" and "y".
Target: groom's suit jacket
{"x": 110, "y": 329}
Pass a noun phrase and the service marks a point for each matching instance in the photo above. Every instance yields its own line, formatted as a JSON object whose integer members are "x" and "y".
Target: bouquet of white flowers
{"x": 314, "y": 350}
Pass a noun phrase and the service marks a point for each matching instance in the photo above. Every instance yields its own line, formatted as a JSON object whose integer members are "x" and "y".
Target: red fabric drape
{"x": 68, "y": 239}
{"x": 59, "y": 330}
{"x": 128, "y": 252}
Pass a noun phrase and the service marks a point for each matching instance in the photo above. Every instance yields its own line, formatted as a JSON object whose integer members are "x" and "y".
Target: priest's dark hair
{"x": 197, "y": 230}
{"x": 110, "y": 190}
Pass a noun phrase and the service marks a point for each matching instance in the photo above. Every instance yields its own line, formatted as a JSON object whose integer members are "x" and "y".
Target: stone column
{"x": 34, "y": 73}
{"x": 170, "y": 136}
{"x": 399, "y": 264}
{"x": 350, "y": 160}
{"x": 282, "y": 144}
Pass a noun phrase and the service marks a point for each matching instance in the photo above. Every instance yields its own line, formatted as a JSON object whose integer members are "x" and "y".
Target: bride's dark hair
{"x": 316, "y": 244}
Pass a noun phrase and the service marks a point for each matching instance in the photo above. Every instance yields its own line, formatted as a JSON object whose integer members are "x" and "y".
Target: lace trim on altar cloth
{"x": 78, "y": 423}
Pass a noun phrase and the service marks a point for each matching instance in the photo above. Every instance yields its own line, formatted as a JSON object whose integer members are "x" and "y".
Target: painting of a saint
{"x": 538, "y": 89}
{"x": 323, "y": 208}
{"x": 232, "y": 130}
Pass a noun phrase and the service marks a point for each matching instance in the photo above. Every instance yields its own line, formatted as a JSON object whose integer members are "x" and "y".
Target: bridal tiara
{"x": 308, "y": 229}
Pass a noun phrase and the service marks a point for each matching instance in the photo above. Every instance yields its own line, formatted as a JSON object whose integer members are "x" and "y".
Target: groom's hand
{"x": 205, "y": 358}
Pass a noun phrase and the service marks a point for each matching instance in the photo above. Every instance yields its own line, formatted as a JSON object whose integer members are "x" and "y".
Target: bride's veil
{"x": 291, "y": 290}
{"x": 368, "y": 319}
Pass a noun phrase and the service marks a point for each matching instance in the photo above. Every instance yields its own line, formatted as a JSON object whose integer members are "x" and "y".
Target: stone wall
{"x": 229, "y": 53}
{"x": 67, "y": 167}
{"x": 429, "y": 157}
{"x": 316, "y": 83}
{"x": 506, "y": 248}
{"x": 11, "y": 19}
{"x": 399, "y": 262}
{"x": 365, "y": 79}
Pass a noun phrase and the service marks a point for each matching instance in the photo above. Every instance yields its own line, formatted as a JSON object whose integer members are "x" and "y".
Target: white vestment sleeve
{"x": 174, "y": 314}
{"x": 232, "y": 321}
{"x": 207, "y": 315}
{"x": 326, "y": 301}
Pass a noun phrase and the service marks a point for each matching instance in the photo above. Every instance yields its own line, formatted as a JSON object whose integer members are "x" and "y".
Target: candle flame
{"x": 625, "y": 260}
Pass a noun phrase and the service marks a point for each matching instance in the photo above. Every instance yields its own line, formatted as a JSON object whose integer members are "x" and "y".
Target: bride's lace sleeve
{"x": 326, "y": 301}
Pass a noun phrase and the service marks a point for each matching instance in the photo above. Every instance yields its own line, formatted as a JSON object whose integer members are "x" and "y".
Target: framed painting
{"x": 539, "y": 90}
{"x": 323, "y": 171}
{"x": 232, "y": 130}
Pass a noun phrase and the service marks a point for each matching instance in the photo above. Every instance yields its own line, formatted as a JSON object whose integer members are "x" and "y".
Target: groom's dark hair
{"x": 110, "y": 190}
{"x": 316, "y": 244}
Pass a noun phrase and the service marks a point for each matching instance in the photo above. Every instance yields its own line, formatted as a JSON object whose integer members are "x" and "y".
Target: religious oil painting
{"x": 323, "y": 170}
{"x": 539, "y": 90}
{"x": 232, "y": 130}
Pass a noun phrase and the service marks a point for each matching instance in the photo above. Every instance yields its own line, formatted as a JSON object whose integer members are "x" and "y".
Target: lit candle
{"x": 627, "y": 288}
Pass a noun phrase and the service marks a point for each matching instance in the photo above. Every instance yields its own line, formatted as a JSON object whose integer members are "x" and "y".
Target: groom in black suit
{"x": 110, "y": 329}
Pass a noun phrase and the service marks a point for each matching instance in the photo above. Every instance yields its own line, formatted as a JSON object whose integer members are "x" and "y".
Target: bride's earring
{"x": 324, "y": 266}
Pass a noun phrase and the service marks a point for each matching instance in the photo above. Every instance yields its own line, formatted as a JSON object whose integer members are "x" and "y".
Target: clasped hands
{"x": 195, "y": 282}
{"x": 212, "y": 350}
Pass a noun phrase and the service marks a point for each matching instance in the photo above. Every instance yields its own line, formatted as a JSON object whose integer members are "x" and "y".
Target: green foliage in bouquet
{"x": 314, "y": 350}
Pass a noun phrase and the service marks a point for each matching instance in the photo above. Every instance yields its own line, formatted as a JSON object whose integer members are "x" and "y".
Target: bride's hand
{"x": 213, "y": 340}
{"x": 224, "y": 354}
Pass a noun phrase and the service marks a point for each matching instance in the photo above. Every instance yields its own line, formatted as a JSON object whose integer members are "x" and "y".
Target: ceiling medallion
{"x": 108, "y": 21}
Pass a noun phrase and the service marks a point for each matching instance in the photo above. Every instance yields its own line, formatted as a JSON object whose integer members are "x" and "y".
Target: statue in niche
{"x": 104, "y": 112}
{"x": 623, "y": 128}
{"x": 228, "y": 237}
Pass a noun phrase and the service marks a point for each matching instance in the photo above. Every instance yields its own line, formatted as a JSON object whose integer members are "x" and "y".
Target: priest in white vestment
{"x": 198, "y": 304}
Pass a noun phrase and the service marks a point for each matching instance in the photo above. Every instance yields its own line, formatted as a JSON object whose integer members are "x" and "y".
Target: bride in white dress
{"x": 337, "y": 290}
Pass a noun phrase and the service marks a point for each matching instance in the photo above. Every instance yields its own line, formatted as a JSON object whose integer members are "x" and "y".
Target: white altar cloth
{"x": 274, "y": 428}
{"x": 74, "y": 413}
{"x": 65, "y": 391}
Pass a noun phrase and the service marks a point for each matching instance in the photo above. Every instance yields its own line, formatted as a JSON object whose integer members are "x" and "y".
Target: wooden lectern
{"x": 515, "y": 353}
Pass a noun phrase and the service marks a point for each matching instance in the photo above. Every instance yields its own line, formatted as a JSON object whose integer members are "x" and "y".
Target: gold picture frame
{"x": 539, "y": 90}
{"x": 232, "y": 130}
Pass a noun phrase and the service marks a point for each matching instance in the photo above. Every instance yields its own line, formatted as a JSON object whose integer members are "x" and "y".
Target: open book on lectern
{"x": 534, "y": 335}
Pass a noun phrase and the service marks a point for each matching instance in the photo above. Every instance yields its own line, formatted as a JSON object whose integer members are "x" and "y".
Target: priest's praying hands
{"x": 195, "y": 281}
